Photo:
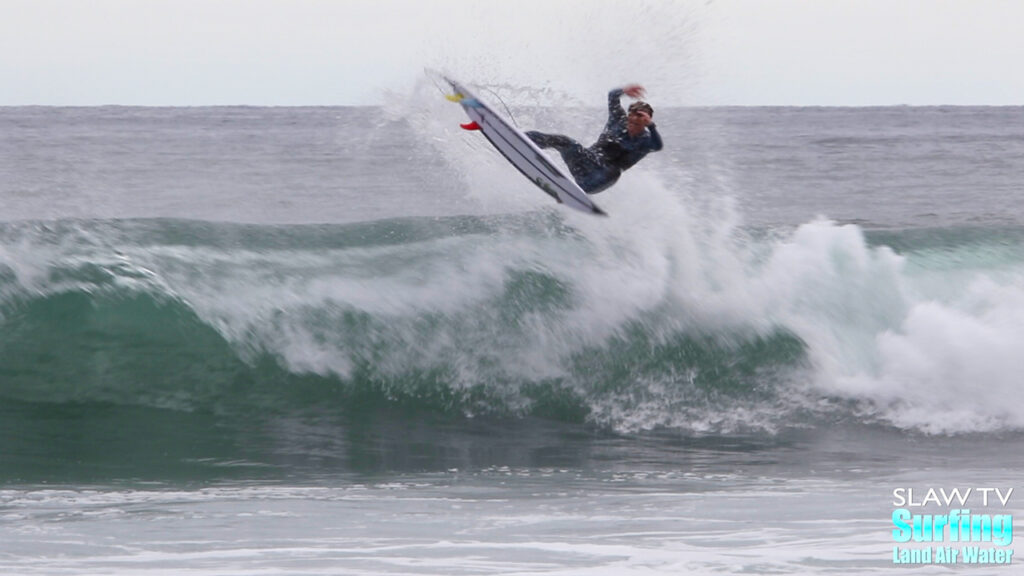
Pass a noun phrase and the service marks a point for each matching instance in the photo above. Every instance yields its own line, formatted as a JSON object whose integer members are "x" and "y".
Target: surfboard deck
{"x": 521, "y": 152}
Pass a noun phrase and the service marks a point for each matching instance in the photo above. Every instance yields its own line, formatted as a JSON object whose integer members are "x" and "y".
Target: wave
{"x": 681, "y": 325}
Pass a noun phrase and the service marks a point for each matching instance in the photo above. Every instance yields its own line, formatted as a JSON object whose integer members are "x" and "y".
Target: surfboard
{"x": 521, "y": 152}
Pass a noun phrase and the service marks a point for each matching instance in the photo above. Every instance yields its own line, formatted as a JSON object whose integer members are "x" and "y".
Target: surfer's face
{"x": 636, "y": 121}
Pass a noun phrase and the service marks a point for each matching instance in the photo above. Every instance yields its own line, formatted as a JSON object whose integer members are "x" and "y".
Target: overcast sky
{"x": 338, "y": 52}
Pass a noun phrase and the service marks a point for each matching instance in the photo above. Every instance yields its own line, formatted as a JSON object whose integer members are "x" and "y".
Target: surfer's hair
{"x": 641, "y": 105}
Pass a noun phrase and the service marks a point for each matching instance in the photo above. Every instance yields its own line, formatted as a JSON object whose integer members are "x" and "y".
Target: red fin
{"x": 470, "y": 126}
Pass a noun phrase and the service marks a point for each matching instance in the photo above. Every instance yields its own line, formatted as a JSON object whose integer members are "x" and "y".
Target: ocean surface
{"x": 261, "y": 341}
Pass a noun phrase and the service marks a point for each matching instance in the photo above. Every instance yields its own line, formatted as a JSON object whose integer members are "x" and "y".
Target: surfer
{"x": 626, "y": 139}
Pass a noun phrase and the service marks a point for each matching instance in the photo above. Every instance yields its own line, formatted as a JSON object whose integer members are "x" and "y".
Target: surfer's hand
{"x": 633, "y": 91}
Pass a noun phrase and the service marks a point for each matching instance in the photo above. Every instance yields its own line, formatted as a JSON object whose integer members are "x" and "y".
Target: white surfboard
{"x": 522, "y": 152}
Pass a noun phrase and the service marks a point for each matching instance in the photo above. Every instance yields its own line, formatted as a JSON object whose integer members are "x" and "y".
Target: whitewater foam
{"x": 952, "y": 367}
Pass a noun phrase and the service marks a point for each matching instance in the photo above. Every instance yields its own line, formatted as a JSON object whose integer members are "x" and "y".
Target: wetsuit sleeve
{"x": 655, "y": 137}
{"x": 615, "y": 111}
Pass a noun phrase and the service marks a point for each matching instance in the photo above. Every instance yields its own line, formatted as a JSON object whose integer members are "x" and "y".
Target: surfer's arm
{"x": 655, "y": 137}
{"x": 615, "y": 111}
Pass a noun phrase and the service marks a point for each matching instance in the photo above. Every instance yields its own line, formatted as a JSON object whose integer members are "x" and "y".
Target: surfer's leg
{"x": 593, "y": 179}
{"x": 575, "y": 156}
{"x": 589, "y": 171}
{"x": 584, "y": 164}
{"x": 556, "y": 141}
{"x": 598, "y": 180}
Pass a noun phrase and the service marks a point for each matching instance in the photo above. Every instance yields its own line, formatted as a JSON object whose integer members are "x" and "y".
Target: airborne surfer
{"x": 626, "y": 139}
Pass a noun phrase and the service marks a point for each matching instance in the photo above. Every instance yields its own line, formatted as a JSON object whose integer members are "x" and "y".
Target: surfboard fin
{"x": 470, "y": 126}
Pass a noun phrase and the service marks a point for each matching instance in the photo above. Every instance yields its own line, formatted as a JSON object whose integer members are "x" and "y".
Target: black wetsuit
{"x": 598, "y": 167}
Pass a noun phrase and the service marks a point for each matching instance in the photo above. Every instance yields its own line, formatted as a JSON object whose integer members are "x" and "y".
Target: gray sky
{"x": 696, "y": 52}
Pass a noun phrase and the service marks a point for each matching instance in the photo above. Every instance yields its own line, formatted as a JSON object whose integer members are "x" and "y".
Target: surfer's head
{"x": 639, "y": 118}
{"x": 640, "y": 105}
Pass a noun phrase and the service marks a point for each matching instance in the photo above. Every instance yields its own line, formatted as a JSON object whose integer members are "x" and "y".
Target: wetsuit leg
{"x": 556, "y": 141}
{"x": 598, "y": 179}
{"x": 584, "y": 164}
